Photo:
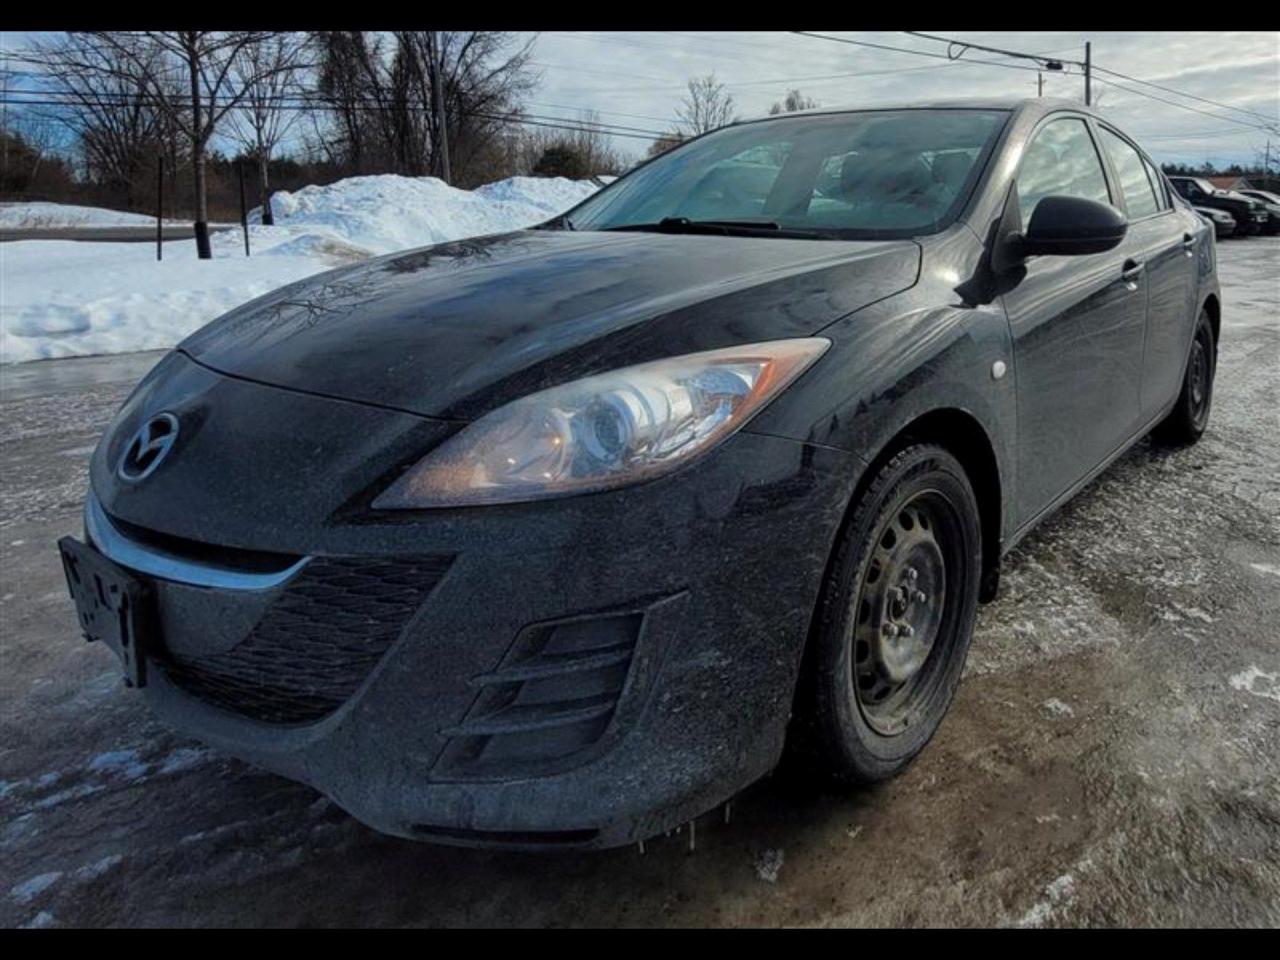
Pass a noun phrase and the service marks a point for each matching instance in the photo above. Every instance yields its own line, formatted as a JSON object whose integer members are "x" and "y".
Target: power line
{"x": 1184, "y": 106}
{"x": 964, "y": 45}
{"x": 532, "y": 120}
{"x": 1095, "y": 68}
{"x": 1190, "y": 96}
{"x": 918, "y": 53}
{"x": 924, "y": 53}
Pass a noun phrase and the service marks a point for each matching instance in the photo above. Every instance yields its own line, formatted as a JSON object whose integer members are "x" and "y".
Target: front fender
{"x": 897, "y": 361}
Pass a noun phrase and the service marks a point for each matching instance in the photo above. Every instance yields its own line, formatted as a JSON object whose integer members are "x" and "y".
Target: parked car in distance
{"x": 559, "y": 537}
{"x": 1250, "y": 215}
{"x": 1272, "y": 203}
{"x": 1224, "y": 224}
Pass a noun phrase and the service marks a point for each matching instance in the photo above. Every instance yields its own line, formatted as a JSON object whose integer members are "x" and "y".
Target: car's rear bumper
{"x": 583, "y": 672}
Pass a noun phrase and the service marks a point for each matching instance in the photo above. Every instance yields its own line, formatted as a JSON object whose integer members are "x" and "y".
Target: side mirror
{"x": 1071, "y": 226}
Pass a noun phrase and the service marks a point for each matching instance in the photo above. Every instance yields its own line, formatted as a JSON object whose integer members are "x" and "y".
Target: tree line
{"x": 118, "y": 105}
{"x": 128, "y": 115}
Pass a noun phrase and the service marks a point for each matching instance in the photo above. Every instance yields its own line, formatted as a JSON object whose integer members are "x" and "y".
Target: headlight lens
{"x": 603, "y": 431}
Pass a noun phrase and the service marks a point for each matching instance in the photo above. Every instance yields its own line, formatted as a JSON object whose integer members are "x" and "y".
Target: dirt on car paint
{"x": 1112, "y": 757}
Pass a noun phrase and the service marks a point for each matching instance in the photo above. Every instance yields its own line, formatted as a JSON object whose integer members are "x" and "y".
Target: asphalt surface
{"x": 1112, "y": 757}
{"x": 183, "y": 231}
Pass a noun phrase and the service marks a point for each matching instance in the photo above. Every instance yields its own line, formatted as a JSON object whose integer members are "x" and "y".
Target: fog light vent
{"x": 551, "y": 699}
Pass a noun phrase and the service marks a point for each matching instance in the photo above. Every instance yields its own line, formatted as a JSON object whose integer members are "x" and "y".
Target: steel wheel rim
{"x": 1200, "y": 378}
{"x": 903, "y": 612}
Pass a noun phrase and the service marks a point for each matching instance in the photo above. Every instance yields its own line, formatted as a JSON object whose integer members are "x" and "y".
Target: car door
{"x": 1164, "y": 243}
{"x": 1077, "y": 324}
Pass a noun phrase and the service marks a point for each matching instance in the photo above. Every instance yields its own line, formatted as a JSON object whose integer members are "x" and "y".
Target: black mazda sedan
{"x": 560, "y": 537}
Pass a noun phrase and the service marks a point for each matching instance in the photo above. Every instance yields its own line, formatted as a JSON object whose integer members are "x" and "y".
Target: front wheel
{"x": 894, "y": 620}
{"x": 1187, "y": 420}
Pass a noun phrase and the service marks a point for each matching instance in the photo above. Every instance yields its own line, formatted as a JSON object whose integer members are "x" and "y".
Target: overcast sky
{"x": 637, "y": 79}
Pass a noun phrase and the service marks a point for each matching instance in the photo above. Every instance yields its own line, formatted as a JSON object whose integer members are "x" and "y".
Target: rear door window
{"x": 1135, "y": 183}
{"x": 1157, "y": 181}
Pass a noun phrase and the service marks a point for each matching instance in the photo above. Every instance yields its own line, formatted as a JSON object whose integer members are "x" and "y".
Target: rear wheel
{"x": 894, "y": 620}
{"x": 1190, "y": 415}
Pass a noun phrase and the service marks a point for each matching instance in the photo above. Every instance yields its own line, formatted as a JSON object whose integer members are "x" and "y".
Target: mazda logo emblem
{"x": 149, "y": 446}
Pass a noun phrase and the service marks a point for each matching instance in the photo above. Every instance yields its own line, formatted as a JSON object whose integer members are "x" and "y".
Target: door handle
{"x": 1131, "y": 271}
{"x": 1188, "y": 242}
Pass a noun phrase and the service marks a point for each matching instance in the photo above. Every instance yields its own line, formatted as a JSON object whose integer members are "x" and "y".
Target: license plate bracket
{"x": 112, "y": 605}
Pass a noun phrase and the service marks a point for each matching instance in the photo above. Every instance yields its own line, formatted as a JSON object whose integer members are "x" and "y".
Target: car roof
{"x": 1007, "y": 104}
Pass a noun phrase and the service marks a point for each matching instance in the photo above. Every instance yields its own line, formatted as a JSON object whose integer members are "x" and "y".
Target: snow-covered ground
{"x": 37, "y": 215}
{"x": 66, "y": 298}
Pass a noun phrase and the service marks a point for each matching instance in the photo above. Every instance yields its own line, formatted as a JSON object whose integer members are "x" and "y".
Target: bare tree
{"x": 484, "y": 75}
{"x": 106, "y": 100}
{"x": 664, "y": 143}
{"x": 708, "y": 106}
{"x": 380, "y": 92}
{"x": 203, "y": 60}
{"x": 793, "y": 102}
{"x": 582, "y": 152}
{"x": 268, "y": 71}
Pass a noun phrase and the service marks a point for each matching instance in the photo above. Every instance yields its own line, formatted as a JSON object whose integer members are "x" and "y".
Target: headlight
{"x": 603, "y": 431}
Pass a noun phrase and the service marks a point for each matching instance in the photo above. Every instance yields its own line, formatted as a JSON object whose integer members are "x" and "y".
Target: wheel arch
{"x": 962, "y": 434}
{"x": 964, "y": 437}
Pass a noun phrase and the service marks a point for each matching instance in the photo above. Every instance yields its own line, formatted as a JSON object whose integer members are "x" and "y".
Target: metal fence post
{"x": 160, "y": 209}
{"x": 244, "y": 216}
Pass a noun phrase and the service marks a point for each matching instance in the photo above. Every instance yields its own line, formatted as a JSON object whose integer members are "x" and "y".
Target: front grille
{"x": 317, "y": 641}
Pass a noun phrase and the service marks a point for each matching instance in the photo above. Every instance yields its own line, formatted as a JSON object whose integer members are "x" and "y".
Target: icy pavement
{"x": 1113, "y": 755}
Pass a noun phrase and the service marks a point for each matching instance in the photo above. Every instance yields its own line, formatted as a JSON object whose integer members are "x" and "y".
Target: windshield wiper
{"x": 720, "y": 227}
{"x": 558, "y": 223}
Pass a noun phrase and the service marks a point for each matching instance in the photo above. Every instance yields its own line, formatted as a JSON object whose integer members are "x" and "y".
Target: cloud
{"x": 637, "y": 79}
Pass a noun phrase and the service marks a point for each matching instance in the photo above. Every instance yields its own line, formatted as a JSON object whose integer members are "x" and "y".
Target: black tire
{"x": 1186, "y": 422}
{"x": 857, "y": 719}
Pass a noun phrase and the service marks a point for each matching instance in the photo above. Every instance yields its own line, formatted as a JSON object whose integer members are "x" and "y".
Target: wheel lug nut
{"x": 907, "y": 631}
{"x": 890, "y": 630}
{"x": 920, "y": 597}
{"x": 912, "y": 573}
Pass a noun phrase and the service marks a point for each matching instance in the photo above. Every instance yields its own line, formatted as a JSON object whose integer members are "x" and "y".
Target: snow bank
{"x": 38, "y": 214}
{"x": 64, "y": 298}
{"x": 60, "y": 298}
{"x": 382, "y": 214}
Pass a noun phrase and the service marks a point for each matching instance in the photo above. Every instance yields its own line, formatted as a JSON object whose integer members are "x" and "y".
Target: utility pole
{"x": 437, "y": 98}
{"x": 1088, "y": 60}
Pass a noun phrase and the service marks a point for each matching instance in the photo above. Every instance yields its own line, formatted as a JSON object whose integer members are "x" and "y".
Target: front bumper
{"x": 582, "y": 672}
{"x": 1250, "y": 223}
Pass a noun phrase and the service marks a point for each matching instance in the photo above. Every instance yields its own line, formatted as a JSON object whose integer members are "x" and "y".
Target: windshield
{"x": 868, "y": 175}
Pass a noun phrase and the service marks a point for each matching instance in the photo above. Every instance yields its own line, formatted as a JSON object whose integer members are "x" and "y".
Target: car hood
{"x": 457, "y": 329}
{"x": 1238, "y": 198}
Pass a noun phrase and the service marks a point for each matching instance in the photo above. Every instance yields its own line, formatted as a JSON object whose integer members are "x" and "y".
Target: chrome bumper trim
{"x": 167, "y": 566}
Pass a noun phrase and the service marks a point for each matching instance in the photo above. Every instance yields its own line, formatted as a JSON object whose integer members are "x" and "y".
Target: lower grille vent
{"x": 316, "y": 643}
